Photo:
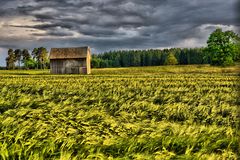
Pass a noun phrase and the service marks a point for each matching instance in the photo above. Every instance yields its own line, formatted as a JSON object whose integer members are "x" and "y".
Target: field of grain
{"x": 169, "y": 112}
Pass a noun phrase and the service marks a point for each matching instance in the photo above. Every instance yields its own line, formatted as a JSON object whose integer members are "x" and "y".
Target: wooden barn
{"x": 70, "y": 60}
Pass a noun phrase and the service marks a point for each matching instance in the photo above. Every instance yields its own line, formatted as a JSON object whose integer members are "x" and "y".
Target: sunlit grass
{"x": 165, "y": 112}
{"x": 140, "y": 70}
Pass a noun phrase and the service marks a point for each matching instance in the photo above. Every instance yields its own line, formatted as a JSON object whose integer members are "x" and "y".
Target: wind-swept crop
{"x": 120, "y": 115}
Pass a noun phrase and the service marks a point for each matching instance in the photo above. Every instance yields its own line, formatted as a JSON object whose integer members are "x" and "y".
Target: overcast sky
{"x": 111, "y": 24}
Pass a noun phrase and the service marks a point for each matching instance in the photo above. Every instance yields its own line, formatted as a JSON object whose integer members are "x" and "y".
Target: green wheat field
{"x": 165, "y": 112}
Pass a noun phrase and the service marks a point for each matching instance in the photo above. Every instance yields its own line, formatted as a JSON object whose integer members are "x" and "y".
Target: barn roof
{"x": 68, "y": 53}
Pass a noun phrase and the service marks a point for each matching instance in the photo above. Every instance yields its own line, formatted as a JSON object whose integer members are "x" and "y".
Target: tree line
{"x": 22, "y": 59}
{"x": 152, "y": 57}
{"x": 223, "y": 49}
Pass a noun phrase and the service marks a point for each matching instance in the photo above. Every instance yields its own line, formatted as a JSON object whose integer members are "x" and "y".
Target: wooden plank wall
{"x": 67, "y": 66}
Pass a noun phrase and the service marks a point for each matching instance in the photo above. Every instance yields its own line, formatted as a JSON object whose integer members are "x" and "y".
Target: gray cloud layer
{"x": 112, "y": 24}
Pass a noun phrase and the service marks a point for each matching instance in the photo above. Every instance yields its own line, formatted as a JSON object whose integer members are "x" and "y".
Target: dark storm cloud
{"x": 237, "y": 10}
{"x": 114, "y": 24}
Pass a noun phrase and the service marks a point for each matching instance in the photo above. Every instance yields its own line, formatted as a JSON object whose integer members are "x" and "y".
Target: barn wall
{"x": 67, "y": 66}
{"x": 88, "y": 62}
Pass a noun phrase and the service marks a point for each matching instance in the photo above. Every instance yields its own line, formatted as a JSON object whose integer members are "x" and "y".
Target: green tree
{"x": 135, "y": 58}
{"x": 151, "y": 57}
{"x": 125, "y": 59}
{"x": 156, "y": 59}
{"x": 11, "y": 59}
{"x": 148, "y": 59}
{"x": 35, "y": 54}
{"x": 25, "y": 57}
{"x": 95, "y": 61}
{"x": 30, "y": 63}
{"x": 222, "y": 47}
{"x": 238, "y": 51}
{"x": 41, "y": 57}
{"x": 18, "y": 55}
{"x": 104, "y": 63}
{"x": 171, "y": 59}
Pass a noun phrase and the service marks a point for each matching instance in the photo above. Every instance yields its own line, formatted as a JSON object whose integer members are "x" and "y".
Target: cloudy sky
{"x": 112, "y": 24}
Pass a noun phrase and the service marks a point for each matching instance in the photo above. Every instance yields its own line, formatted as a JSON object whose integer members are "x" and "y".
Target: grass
{"x": 165, "y": 112}
{"x": 140, "y": 70}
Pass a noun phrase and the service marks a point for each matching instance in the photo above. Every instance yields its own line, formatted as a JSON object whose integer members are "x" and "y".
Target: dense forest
{"x": 152, "y": 57}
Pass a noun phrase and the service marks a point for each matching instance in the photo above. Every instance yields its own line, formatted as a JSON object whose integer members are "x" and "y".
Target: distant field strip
{"x": 128, "y": 113}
